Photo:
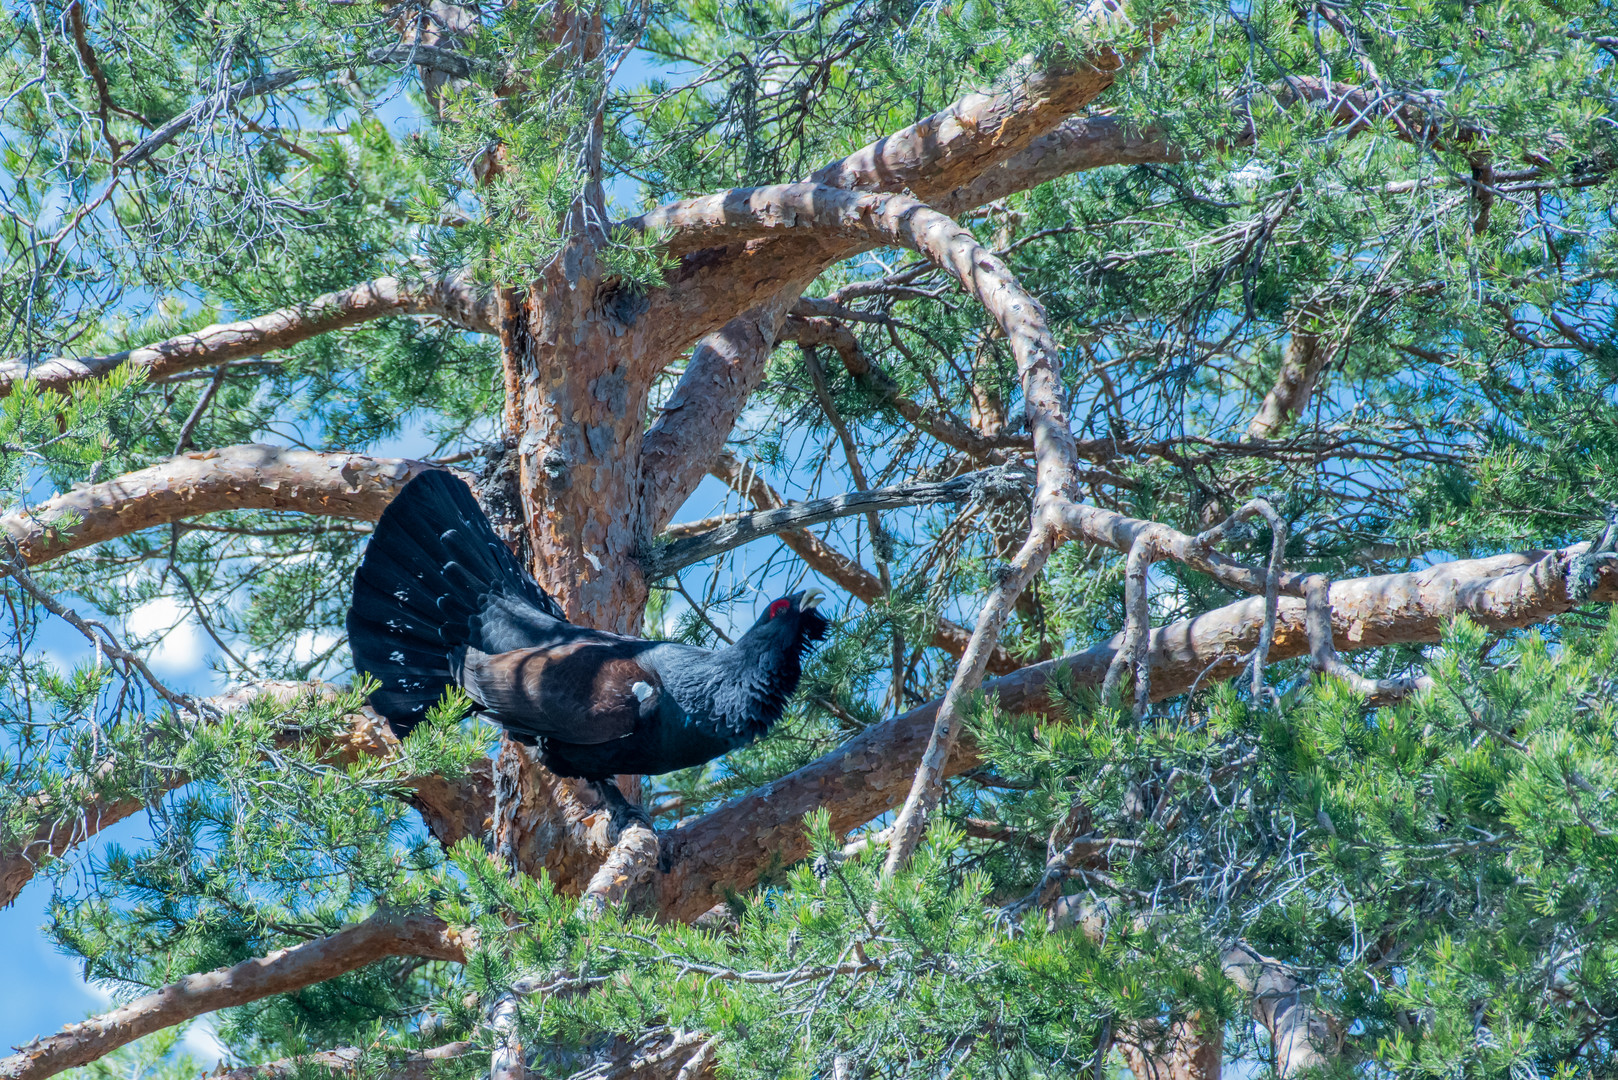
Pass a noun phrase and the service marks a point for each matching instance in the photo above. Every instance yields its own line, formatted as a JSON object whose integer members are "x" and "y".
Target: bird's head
{"x": 768, "y": 658}
{"x": 792, "y": 622}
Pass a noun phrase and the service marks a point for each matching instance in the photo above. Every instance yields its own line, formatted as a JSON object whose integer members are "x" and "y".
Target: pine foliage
{"x": 1439, "y": 873}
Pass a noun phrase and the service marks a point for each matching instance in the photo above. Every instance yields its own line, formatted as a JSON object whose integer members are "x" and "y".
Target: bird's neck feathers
{"x": 760, "y": 672}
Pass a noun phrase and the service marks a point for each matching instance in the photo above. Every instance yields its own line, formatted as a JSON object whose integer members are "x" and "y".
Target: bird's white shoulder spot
{"x": 642, "y": 690}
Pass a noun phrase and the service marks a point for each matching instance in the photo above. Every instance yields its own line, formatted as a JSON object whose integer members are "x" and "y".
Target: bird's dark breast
{"x": 662, "y": 749}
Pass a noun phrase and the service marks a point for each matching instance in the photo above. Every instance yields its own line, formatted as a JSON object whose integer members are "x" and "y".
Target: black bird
{"x": 439, "y": 600}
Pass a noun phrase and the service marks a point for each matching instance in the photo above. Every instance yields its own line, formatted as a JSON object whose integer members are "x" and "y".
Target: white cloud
{"x": 181, "y": 647}
{"x": 309, "y": 644}
{"x": 103, "y": 996}
{"x": 203, "y": 1047}
{"x": 1254, "y": 172}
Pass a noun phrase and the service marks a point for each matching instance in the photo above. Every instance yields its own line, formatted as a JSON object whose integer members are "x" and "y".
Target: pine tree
{"x": 1205, "y": 416}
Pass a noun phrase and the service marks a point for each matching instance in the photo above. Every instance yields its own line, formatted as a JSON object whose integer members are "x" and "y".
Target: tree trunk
{"x": 579, "y": 362}
{"x": 577, "y": 380}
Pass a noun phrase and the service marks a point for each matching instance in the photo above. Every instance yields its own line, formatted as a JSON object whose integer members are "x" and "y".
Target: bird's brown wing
{"x": 581, "y": 692}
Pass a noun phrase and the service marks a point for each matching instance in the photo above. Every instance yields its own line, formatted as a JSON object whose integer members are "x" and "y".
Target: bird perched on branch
{"x": 440, "y": 601}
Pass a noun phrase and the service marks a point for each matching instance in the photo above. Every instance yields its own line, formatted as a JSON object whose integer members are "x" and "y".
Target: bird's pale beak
{"x": 812, "y": 598}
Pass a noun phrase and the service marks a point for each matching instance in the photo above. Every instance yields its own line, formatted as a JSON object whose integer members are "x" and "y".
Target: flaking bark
{"x": 453, "y": 299}
{"x": 249, "y": 477}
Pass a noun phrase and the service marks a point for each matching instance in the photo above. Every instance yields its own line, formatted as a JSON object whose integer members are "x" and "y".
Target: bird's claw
{"x": 621, "y": 811}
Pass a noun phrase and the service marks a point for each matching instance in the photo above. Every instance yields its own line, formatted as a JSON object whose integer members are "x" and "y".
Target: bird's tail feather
{"x": 435, "y": 577}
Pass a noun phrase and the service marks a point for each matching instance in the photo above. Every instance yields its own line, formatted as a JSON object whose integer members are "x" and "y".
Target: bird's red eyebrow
{"x": 778, "y": 607}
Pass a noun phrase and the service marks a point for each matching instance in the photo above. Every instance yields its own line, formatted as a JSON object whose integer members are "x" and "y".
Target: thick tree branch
{"x": 1120, "y": 532}
{"x": 453, "y": 299}
{"x": 959, "y": 142}
{"x": 932, "y": 158}
{"x": 741, "y": 294}
{"x": 384, "y": 934}
{"x": 869, "y": 775}
{"x": 1302, "y": 1037}
{"x": 1078, "y": 144}
{"x": 1083, "y": 143}
{"x": 675, "y": 555}
{"x": 715, "y": 284}
{"x": 901, "y": 221}
{"x": 249, "y": 477}
{"x": 693, "y": 424}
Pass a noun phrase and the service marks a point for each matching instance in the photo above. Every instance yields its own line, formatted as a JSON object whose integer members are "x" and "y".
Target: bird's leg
{"x": 624, "y": 813}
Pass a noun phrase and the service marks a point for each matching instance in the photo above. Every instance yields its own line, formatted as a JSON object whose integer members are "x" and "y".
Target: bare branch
{"x": 744, "y": 479}
{"x": 384, "y": 934}
{"x": 692, "y": 548}
{"x": 927, "y": 787}
{"x": 661, "y": 1054}
{"x": 427, "y": 57}
{"x": 249, "y": 477}
{"x": 1146, "y": 550}
{"x": 1303, "y": 1038}
{"x": 454, "y": 299}
{"x": 1078, "y": 144}
{"x": 99, "y": 636}
{"x": 213, "y": 104}
{"x": 1109, "y": 528}
{"x": 1203, "y": 543}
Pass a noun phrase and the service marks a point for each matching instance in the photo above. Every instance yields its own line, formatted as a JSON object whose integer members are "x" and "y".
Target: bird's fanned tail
{"x": 436, "y": 578}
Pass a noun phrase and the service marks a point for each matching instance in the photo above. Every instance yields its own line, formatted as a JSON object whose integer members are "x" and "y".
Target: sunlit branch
{"x": 249, "y": 477}
{"x": 453, "y": 299}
